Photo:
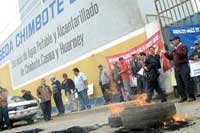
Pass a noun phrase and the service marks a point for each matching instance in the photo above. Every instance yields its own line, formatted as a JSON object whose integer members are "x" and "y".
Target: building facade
{"x": 57, "y": 35}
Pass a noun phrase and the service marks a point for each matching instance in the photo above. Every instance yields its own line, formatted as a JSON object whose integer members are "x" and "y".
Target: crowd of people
{"x": 79, "y": 85}
{"x": 138, "y": 75}
{"x": 145, "y": 69}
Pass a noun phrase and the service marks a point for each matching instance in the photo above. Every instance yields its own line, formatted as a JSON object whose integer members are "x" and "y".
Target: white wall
{"x": 147, "y": 7}
{"x": 27, "y": 7}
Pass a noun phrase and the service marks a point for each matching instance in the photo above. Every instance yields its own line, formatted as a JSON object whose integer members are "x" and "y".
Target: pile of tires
{"x": 143, "y": 117}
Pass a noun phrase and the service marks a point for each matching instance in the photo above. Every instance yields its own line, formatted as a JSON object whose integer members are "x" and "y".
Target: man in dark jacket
{"x": 179, "y": 55}
{"x": 27, "y": 95}
{"x": 154, "y": 54}
{"x": 136, "y": 65}
{"x": 69, "y": 87}
{"x": 152, "y": 74}
{"x": 195, "y": 56}
{"x": 57, "y": 95}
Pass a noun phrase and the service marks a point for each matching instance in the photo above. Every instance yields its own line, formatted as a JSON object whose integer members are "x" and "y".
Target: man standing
{"x": 152, "y": 74}
{"x": 81, "y": 85}
{"x": 69, "y": 87}
{"x": 57, "y": 95}
{"x": 44, "y": 93}
{"x": 143, "y": 81}
{"x": 136, "y": 65}
{"x": 4, "y": 117}
{"x": 124, "y": 73}
{"x": 179, "y": 55}
{"x": 104, "y": 82}
{"x": 195, "y": 56}
{"x": 154, "y": 55}
{"x": 118, "y": 80}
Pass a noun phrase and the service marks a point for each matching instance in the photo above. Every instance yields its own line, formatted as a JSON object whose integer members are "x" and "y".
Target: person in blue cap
{"x": 185, "y": 83}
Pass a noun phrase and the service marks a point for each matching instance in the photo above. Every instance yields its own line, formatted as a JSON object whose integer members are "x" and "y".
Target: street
{"x": 99, "y": 115}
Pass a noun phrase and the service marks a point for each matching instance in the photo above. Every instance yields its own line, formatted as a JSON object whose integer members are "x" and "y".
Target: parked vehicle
{"x": 20, "y": 109}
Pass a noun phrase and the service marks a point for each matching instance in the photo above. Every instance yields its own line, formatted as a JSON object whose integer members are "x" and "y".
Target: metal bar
{"x": 188, "y": 11}
{"x": 165, "y": 12}
{"x": 183, "y": 10}
{"x": 156, "y": 5}
{"x": 170, "y": 10}
{"x": 174, "y": 10}
{"x": 179, "y": 10}
{"x": 192, "y": 11}
{"x": 174, "y": 5}
{"x": 195, "y": 2}
{"x": 161, "y": 9}
{"x": 192, "y": 6}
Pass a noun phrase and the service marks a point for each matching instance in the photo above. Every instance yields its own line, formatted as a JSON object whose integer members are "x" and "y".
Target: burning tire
{"x": 147, "y": 116}
{"x": 114, "y": 121}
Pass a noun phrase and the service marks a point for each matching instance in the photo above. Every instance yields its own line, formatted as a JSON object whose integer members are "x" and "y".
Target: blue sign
{"x": 188, "y": 34}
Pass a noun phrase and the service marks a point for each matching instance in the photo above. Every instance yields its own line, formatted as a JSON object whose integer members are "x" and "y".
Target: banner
{"x": 195, "y": 68}
{"x": 154, "y": 41}
{"x": 188, "y": 34}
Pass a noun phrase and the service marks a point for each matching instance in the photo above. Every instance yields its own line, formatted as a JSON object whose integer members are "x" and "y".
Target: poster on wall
{"x": 154, "y": 41}
{"x": 63, "y": 30}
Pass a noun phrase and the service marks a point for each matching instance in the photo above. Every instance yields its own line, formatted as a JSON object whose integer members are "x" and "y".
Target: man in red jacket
{"x": 124, "y": 73}
{"x": 185, "y": 83}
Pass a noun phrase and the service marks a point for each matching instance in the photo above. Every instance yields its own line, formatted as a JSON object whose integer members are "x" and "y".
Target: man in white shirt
{"x": 81, "y": 85}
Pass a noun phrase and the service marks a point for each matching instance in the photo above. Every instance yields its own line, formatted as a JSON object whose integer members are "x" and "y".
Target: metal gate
{"x": 177, "y": 12}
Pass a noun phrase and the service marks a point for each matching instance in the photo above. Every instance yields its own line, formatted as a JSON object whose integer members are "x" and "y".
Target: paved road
{"x": 100, "y": 114}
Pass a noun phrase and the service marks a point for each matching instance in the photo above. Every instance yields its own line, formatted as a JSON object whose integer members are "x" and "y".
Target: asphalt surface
{"x": 99, "y": 115}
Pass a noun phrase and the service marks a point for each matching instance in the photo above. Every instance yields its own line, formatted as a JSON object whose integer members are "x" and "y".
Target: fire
{"x": 140, "y": 100}
{"x": 165, "y": 123}
{"x": 116, "y": 109}
{"x": 180, "y": 117}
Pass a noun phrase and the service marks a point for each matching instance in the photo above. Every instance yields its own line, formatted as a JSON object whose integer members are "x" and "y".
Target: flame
{"x": 180, "y": 117}
{"x": 140, "y": 100}
{"x": 116, "y": 109}
{"x": 165, "y": 123}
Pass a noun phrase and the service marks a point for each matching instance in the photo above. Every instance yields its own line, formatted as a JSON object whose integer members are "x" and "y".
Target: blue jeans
{"x": 104, "y": 91}
{"x": 59, "y": 103}
{"x": 83, "y": 100}
{"x": 4, "y": 117}
{"x": 46, "y": 109}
